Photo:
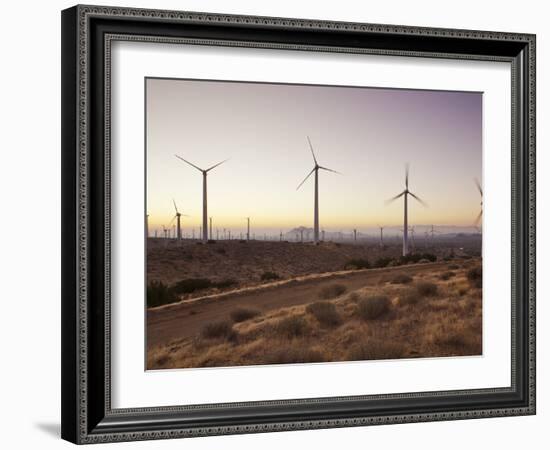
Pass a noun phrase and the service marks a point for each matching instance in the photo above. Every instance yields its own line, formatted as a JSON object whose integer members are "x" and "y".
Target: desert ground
{"x": 234, "y": 303}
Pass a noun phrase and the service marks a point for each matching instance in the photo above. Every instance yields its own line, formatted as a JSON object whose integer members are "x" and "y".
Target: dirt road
{"x": 183, "y": 320}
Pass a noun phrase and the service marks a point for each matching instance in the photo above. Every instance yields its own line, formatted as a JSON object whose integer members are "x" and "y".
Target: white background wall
{"x": 30, "y": 222}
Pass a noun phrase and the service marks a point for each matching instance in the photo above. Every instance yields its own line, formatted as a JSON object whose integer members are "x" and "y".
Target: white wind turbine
{"x": 478, "y": 218}
{"x": 405, "y": 195}
{"x": 316, "y": 195}
{"x": 204, "y": 195}
{"x": 178, "y": 222}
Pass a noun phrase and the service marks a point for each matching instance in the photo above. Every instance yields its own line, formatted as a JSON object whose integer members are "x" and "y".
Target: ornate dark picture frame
{"x": 87, "y": 34}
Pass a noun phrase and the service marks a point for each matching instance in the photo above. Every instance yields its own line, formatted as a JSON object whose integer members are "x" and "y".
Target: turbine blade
{"x": 216, "y": 165}
{"x": 172, "y": 221}
{"x": 478, "y": 218}
{"x": 304, "y": 180}
{"x": 191, "y": 164}
{"x": 312, "y": 152}
{"x": 407, "y": 176}
{"x": 418, "y": 199}
{"x": 176, "y": 208}
{"x": 330, "y": 170}
{"x": 394, "y": 198}
{"x": 476, "y": 181}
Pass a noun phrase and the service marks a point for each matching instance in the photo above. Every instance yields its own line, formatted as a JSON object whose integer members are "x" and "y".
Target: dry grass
{"x": 434, "y": 317}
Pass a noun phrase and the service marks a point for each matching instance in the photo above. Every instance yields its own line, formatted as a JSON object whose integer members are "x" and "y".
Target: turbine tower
{"x": 178, "y": 222}
{"x": 248, "y": 228}
{"x": 381, "y": 235}
{"x": 316, "y": 195}
{"x": 204, "y": 195}
{"x": 478, "y": 218}
{"x": 405, "y": 195}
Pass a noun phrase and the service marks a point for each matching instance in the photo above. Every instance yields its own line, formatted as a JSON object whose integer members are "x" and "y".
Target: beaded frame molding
{"x": 87, "y": 35}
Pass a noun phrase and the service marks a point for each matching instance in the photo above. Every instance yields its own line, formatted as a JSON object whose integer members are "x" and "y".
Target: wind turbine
{"x": 381, "y": 236}
{"x": 478, "y": 218}
{"x": 178, "y": 222}
{"x": 204, "y": 195}
{"x": 248, "y": 228}
{"x": 405, "y": 195}
{"x": 316, "y": 197}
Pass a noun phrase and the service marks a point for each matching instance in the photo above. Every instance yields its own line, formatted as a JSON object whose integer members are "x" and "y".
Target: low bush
{"x": 372, "y": 308}
{"x": 417, "y": 257}
{"x": 426, "y": 289}
{"x": 159, "y": 294}
{"x": 224, "y": 284}
{"x": 453, "y": 267}
{"x": 447, "y": 275}
{"x": 410, "y": 297}
{"x": 475, "y": 277}
{"x": 401, "y": 279}
{"x": 382, "y": 262}
{"x": 266, "y": 276}
{"x": 190, "y": 285}
{"x": 219, "y": 330}
{"x": 325, "y": 313}
{"x": 242, "y": 314}
{"x": 357, "y": 263}
{"x": 291, "y": 327}
{"x": 332, "y": 291}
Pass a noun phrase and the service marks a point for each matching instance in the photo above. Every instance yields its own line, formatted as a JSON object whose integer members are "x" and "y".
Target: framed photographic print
{"x": 280, "y": 224}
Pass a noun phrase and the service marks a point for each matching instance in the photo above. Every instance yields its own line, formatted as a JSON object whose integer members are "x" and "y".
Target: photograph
{"x": 298, "y": 223}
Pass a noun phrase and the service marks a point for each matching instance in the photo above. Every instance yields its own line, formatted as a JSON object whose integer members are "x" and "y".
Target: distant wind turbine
{"x": 178, "y": 222}
{"x": 204, "y": 195}
{"x": 405, "y": 195}
{"x": 478, "y": 218}
{"x": 381, "y": 236}
{"x": 316, "y": 198}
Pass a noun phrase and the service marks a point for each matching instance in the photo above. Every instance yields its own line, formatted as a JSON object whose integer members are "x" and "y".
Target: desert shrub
{"x": 417, "y": 257}
{"x": 462, "y": 291}
{"x": 159, "y": 294}
{"x": 211, "y": 241}
{"x": 291, "y": 327}
{"x": 410, "y": 297}
{"x": 332, "y": 291}
{"x": 325, "y": 313}
{"x": 221, "y": 251}
{"x": 424, "y": 261}
{"x": 242, "y": 241}
{"x": 451, "y": 338}
{"x": 382, "y": 262}
{"x": 266, "y": 276}
{"x": 242, "y": 314}
{"x": 426, "y": 289}
{"x": 219, "y": 330}
{"x": 190, "y": 285}
{"x": 394, "y": 263}
{"x": 375, "y": 348}
{"x": 453, "y": 267}
{"x": 357, "y": 263}
{"x": 294, "y": 354}
{"x": 224, "y": 284}
{"x": 475, "y": 277}
{"x": 371, "y": 308}
{"x": 401, "y": 279}
{"x": 447, "y": 275}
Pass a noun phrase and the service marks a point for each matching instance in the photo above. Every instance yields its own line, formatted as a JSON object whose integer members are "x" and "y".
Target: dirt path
{"x": 186, "y": 319}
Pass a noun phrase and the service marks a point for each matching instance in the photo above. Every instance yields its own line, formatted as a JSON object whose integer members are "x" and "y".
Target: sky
{"x": 366, "y": 134}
